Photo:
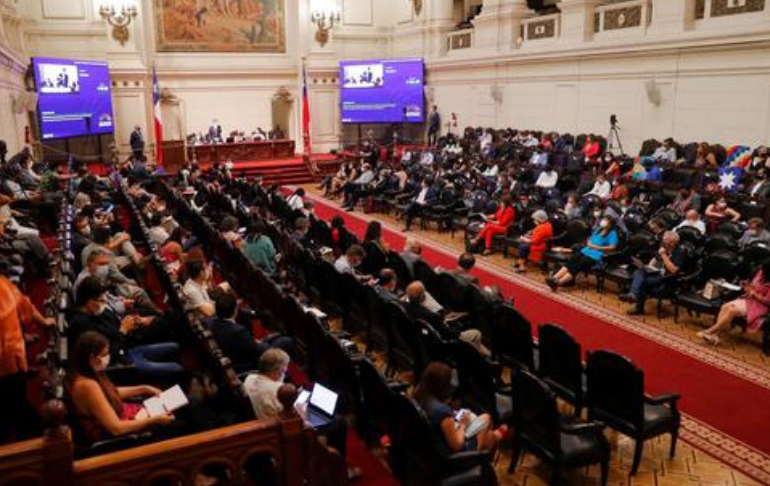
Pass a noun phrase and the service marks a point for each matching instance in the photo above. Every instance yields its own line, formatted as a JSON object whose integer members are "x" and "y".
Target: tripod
{"x": 613, "y": 138}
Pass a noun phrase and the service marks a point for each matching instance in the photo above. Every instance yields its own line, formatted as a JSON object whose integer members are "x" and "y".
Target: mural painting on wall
{"x": 220, "y": 25}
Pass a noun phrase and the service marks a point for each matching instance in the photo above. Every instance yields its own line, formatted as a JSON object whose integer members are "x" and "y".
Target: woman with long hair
{"x": 753, "y": 306}
{"x": 497, "y": 224}
{"x": 99, "y": 405}
{"x": 603, "y": 240}
{"x": 433, "y": 394}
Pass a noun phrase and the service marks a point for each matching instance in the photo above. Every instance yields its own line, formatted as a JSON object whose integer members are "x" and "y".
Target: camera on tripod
{"x": 614, "y": 121}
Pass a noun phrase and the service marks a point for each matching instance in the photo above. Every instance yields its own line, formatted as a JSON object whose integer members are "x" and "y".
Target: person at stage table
{"x": 434, "y": 126}
{"x": 137, "y": 142}
{"x": 215, "y": 132}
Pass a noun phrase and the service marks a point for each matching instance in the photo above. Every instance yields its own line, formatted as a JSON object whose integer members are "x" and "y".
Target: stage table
{"x": 241, "y": 151}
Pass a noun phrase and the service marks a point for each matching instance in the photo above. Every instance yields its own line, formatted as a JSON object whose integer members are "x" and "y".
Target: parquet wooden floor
{"x": 690, "y": 466}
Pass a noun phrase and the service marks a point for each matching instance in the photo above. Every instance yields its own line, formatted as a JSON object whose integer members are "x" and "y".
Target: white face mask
{"x": 102, "y": 362}
{"x": 603, "y": 223}
{"x": 102, "y": 272}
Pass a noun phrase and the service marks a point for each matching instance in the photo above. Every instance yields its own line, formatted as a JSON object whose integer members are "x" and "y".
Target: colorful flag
{"x": 730, "y": 178}
{"x": 158, "y": 119}
{"x": 305, "y": 114}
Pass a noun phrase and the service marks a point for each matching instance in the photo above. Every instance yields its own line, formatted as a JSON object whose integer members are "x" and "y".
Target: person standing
{"x": 434, "y": 126}
{"x": 137, "y": 142}
{"x": 18, "y": 419}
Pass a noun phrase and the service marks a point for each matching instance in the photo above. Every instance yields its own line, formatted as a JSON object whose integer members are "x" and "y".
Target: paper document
{"x": 167, "y": 402}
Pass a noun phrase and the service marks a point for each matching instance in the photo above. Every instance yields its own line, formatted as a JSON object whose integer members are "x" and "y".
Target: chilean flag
{"x": 305, "y": 114}
{"x": 158, "y": 120}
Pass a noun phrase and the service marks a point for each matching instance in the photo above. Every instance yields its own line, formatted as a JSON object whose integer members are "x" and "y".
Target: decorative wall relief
{"x": 220, "y": 25}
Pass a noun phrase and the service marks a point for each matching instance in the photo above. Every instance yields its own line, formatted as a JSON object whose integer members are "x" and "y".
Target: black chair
{"x": 719, "y": 242}
{"x": 375, "y": 259}
{"x": 398, "y": 265}
{"x": 404, "y": 353}
{"x": 561, "y": 364}
{"x": 377, "y": 324}
{"x": 453, "y": 292}
{"x": 417, "y": 459}
{"x": 616, "y": 397}
{"x": 480, "y": 385}
{"x": 753, "y": 256}
{"x": 511, "y": 338}
{"x": 576, "y": 233}
{"x": 732, "y": 229}
{"x": 617, "y": 267}
{"x": 424, "y": 273}
{"x": 565, "y": 443}
{"x": 717, "y": 265}
{"x": 375, "y": 399}
{"x": 690, "y": 235}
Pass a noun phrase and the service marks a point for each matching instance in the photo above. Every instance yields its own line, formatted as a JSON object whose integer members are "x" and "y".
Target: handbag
{"x": 712, "y": 290}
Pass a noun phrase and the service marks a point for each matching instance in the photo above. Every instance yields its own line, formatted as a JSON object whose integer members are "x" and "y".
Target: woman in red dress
{"x": 498, "y": 224}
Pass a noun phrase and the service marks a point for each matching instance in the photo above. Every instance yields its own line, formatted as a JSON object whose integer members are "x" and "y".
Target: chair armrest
{"x": 114, "y": 444}
{"x": 668, "y": 398}
{"x": 689, "y": 279}
{"x": 467, "y": 459}
{"x": 580, "y": 428}
{"x": 398, "y": 386}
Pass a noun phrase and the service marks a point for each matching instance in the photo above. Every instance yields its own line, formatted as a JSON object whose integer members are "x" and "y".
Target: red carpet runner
{"x": 726, "y": 414}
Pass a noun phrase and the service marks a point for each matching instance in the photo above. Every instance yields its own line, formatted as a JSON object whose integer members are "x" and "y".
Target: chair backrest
{"x": 640, "y": 244}
{"x": 398, "y": 265}
{"x": 577, "y": 232}
{"x": 634, "y": 220}
{"x": 731, "y": 229}
{"x": 615, "y": 390}
{"x": 477, "y": 388}
{"x": 377, "y": 337}
{"x": 403, "y": 348}
{"x": 561, "y": 361}
{"x": 690, "y": 234}
{"x": 375, "y": 259}
{"x": 375, "y": 399}
{"x": 453, "y": 292}
{"x": 482, "y": 310}
{"x": 535, "y": 413}
{"x": 512, "y": 337}
{"x": 424, "y": 273}
{"x": 720, "y": 264}
{"x": 416, "y": 454}
{"x": 719, "y": 242}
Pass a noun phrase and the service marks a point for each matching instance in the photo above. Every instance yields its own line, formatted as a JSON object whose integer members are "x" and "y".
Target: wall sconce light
{"x": 118, "y": 20}
{"x": 417, "y": 6}
{"x": 325, "y": 20}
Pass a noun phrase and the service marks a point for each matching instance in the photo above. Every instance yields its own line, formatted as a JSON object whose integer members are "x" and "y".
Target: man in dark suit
{"x": 425, "y": 197}
{"x": 235, "y": 340}
{"x": 760, "y": 188}
{"x": 386, "y": 285}
{"x": 434, "y": 126}
{"x": 465, "y": 264}
{"x": 137, "y": 142}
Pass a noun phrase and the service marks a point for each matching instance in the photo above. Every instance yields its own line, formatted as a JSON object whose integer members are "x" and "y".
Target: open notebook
{"x": 167, "y": 402}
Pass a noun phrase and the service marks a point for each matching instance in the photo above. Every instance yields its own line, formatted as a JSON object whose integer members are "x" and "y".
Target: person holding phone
{"x": 433, "y": 394}
{"x": 753, "y": 305}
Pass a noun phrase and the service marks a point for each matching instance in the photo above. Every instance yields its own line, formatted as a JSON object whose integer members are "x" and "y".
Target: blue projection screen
{"x": 74, "y": 97}
{"x": 384, "y": 91}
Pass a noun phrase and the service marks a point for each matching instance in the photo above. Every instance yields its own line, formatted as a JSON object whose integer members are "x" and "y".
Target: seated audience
{"x": 465, "y": 263}
{"x": 752, "y": 306}
{"x": 259, "y": 248}
{"x": 718, "y": 212}
{"x": 497, "y": 224}
{"x": 101, "y": 409}
{"x": 686, "y": 200}
{"x": 603, "y": 240}
{"x": 412, "y": 252}
{"x": 129, "y": 337}
{"x": 424, "y": 198}
{"x": 670, "y": 260}
{"x": 533, "y": 246}
{"x": 755, "y": 233}
{"x": 263, "y": 387}
{"x": 434, "y": 394}
{"x": 601, "y": 188}
{"x": 387, "y": 285}
{"x": 197, "y": 289}
{"x": 692, "y": 220}
{"x": 350, "y": 261}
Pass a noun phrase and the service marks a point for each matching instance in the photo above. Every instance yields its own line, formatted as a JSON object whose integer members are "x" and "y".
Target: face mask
{"x": 604, "y": 223}
{"x": 722, "y": 205}
{"x": 597, "y": 214}
{"x": 103, "y": 362}
{"x": 102, "y": 272}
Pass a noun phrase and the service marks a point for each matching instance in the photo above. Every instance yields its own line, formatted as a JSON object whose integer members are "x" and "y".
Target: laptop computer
{"x": 321, "y": 405}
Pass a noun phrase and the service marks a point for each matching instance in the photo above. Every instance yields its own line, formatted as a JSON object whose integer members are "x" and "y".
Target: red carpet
{"x": 716, "y": 397}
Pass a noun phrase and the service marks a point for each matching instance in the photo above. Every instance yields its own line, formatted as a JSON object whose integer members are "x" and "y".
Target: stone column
{"x": 437, "y": 20}
{"x": 671, "y": 18}
{"x": 498, "y": 25}
{"x": 577, "y": 19}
